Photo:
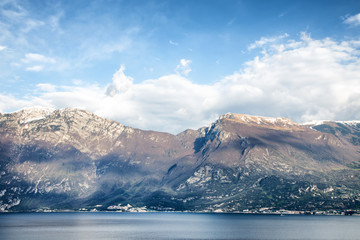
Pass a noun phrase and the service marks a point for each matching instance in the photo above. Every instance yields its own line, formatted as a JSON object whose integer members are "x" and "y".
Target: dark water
{"x": 68, "y": 226}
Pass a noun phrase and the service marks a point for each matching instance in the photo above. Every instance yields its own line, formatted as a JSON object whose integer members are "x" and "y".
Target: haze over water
{"x": 58, "y": 226}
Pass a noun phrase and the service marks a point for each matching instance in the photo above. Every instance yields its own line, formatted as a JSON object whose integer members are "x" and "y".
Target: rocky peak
{"x": 27, "y": 115}
{"x": 259, "y": 120}
{"x": 321, "y": 122}
{"x": 278, "y": 123}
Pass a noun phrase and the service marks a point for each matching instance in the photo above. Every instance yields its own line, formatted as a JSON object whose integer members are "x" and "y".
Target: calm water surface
{"x": 68, "y": 226}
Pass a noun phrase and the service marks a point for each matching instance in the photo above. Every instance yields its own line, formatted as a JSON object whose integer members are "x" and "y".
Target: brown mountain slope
{"x": 71, "y": 159}
{"x": 253, "y": 162}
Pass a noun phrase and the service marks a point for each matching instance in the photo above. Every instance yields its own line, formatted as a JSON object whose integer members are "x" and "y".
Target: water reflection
{"x": 89, "y": 226}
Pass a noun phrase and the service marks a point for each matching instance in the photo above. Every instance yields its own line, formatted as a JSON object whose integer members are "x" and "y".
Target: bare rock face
{"x": 73, "y": 159}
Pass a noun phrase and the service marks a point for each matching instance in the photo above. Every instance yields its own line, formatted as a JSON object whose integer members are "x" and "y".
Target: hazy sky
{"x": 173, "y": 65}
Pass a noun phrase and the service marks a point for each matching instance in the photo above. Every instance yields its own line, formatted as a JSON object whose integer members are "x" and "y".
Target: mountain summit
{"x": 72, "y": 159}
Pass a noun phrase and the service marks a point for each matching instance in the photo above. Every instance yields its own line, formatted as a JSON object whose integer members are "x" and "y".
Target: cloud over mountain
{"x": 121, "y": 83}
{"x": 303, "y": 79}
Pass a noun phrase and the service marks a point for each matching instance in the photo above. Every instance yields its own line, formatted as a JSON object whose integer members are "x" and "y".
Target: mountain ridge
{"x": 40, "y": 112}
{"x": 74, "y": 159}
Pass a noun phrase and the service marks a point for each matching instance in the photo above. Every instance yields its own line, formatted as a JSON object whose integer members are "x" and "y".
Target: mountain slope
{"x": 72, "y": 159}
{"x": 254, "y": 162}
{"x": 72, "y": 154}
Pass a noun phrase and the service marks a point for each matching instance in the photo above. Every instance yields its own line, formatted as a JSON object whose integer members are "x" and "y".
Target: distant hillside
{"x": 72, "y": 159}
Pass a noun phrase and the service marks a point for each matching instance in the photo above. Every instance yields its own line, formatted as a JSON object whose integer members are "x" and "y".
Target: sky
{"x": 173, "y": 65}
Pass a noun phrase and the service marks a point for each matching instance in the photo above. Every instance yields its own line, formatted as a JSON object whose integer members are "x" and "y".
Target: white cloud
{"x": 306, "y": 79}
{"x": 264, "y": 40}
{"x": 184, "y": 67}
{"x": 77, "y": 81}
{"x": 36, "y": 68}
{"x": 35, "y": 57}
{"x": 353, "y": 20}
{"x": 10, "y": 102}
{"x": 46, "y": 87}
{"x": 2, "y": 48}
{"x": 121, "y": 83}
{"x": 36, "y": 62}
{"x": 302, "y": 79}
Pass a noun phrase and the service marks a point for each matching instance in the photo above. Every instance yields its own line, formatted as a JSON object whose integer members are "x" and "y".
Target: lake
{"x": 113, "y": 225}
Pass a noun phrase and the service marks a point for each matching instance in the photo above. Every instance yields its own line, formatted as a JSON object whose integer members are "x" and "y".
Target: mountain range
{"x": 71, "y": 159}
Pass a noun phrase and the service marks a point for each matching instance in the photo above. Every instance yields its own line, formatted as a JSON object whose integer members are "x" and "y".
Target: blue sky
{"x": 172, "y": 65}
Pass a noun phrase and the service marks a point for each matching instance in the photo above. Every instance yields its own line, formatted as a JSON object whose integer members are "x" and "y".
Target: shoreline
{"x": 277, "y": 213}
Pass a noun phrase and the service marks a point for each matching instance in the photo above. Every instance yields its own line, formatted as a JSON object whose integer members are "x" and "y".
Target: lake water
{"x": 112, "y": 225}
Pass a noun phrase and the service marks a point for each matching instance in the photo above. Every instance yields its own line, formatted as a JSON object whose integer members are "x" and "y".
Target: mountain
{"x": 71, "y": 159}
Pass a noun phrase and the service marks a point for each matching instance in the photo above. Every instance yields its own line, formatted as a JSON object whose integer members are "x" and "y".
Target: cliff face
{"x": 71, "y": 159}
